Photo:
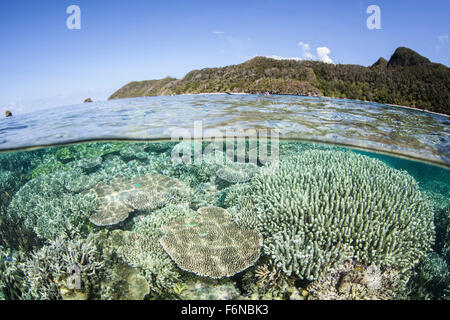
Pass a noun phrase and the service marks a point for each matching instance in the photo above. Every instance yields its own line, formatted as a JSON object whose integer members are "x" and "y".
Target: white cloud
{"x": 443, "y": 38}
{"x": 284, "y": 58}
{"x": 323, "y": 53}
{"x": 306, "y": 50}
{"x": 218, "y": 32}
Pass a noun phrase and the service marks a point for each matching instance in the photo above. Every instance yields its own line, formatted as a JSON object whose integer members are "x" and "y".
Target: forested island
{"x": 407, "y": 79}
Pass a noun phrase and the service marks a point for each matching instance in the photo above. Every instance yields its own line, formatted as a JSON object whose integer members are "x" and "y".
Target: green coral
{"x": 320, "y": 208}
{"x": 46, "y": 168}
{"x": 65, "y": 154}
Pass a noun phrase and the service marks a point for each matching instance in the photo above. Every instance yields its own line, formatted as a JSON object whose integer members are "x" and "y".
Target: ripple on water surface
{"x": 369, "y": 125}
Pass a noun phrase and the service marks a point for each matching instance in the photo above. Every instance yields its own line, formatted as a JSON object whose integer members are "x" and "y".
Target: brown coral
{"x": 352, "y": 281}
{"x": 211, "y": 244}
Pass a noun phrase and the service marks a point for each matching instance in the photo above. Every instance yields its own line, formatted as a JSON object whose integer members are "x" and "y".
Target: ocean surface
{"x": 396, "y": 130}
{"x": 98, "y": 202}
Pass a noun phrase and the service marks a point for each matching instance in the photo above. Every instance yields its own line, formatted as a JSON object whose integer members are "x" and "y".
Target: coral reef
{"x": 90, "y": 164}
{"x": 141, "y": 249}
{"x": 320, "y": 208}
{"x": 320, "y": 223}
{"x": 130, "y": 152}
{"x": 120, "y": 281}
{"x": 65, "y": 154}
{"x": 145, "y": 193}
{"x": 352, "y": 281}
{"x": 46, "y": 168}
{"x": 205, "y": 195}
{"x": 123, "y": 282}
{"x": 15, "y": 235}
{"x": 442, "y": 222}
{"x": 211, "y": 244}
{"x": 237, "y": 172}
{"x": 208, "y": 289}
{"x": 13, "y": 285}
{"x": 266, "y": 281}
{"x": 64, "y": 269}
{"x": 430, "y": 279}
{"x": 47, "y": 207}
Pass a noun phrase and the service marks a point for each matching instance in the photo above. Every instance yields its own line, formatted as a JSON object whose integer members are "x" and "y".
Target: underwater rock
{"x": 320, "y": 208}
{"x": 211, "y": 244}
{"x": 122, "y": 195}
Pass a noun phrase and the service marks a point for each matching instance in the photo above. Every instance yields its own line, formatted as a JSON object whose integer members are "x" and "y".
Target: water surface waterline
{"x": 372, "y": 126}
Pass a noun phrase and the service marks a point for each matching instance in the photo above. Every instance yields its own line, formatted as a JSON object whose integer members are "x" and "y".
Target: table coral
{"x": 211, "y": 244}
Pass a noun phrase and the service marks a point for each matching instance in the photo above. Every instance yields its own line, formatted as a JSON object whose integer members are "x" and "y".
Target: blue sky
{"x": 44, "y": 64}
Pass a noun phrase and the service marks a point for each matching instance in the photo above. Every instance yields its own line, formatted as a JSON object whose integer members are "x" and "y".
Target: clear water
{"x": 153, "y": 219}
{"x": 378, "y": 127}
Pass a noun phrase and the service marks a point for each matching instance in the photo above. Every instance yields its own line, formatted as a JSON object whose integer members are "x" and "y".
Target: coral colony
{"x": 123, "y": 221}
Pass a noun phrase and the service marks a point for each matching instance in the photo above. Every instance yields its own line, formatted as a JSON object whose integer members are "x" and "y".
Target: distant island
{"x": 407, "y": 79}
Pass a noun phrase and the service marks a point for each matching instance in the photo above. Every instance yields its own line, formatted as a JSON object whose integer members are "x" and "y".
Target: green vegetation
{"x": 406, "y": 79}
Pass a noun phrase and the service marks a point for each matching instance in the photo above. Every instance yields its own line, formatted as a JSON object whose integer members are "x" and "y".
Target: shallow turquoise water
{"x": 171, "y": 220}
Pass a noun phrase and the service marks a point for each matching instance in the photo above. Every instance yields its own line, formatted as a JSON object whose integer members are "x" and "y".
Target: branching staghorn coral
{"x": 62, "y": 268}
{"x": 320, "y": 208}
{"x": 48, "y": 207}
{"x": 13, "y": 285}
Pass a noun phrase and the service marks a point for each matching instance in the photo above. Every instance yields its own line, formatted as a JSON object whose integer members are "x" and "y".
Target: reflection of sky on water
{"x": 362, "y": 124}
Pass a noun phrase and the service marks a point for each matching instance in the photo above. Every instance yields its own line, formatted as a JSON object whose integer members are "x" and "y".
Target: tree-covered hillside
{"x": 406, "y": 79}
